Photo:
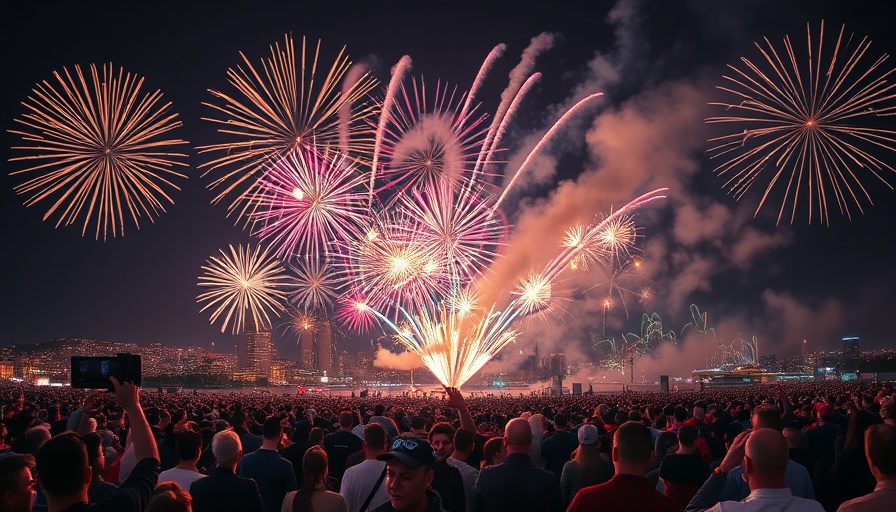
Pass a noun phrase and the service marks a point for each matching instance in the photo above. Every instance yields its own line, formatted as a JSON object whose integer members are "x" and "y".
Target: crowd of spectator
{"x": 801, "y": 446}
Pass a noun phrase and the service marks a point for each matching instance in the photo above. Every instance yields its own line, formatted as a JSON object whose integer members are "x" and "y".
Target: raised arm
{"x": 128, "y": 396}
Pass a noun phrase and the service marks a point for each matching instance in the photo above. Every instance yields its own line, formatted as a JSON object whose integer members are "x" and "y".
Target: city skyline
{"x": 657, "y": 66}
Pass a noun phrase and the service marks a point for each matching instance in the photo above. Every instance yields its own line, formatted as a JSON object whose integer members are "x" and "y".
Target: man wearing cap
{"x": 517, "y": 484}
{"x": 409, "y": 474}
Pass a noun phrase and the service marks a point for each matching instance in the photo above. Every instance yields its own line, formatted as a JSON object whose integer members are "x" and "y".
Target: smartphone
{"x": 94, "y": 372}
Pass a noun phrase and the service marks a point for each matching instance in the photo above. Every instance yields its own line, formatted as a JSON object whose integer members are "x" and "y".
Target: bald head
{"x": 767, "y": 453}
{"x": 518, "y": 433}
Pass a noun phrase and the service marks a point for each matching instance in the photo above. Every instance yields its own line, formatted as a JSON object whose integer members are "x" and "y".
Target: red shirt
{"x": 623, "y": 492}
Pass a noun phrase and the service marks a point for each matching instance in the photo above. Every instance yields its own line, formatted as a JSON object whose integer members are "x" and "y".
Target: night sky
{"x": 657, "y": 62}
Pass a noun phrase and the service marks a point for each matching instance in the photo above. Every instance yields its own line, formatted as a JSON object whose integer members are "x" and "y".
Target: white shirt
{"x": 183, "y": 477}
{"x": 357, "y": 482}
{"x": 469, "y": 476}
{"x": 770, "y": 500}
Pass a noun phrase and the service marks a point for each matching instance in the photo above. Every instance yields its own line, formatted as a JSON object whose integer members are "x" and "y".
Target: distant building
{"x": 558, "y": 365}
{"x": 769, "y": 363}
{"x": 317, "y": 347}
{"x": 258, "y": 354}
{"x": 849, "y": 362}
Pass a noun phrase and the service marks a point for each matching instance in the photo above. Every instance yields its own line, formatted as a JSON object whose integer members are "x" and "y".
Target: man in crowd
{"x": 189, "y": 448}
{"x": 339, "y": 445}
{"x": 223, "y": 490}
{"x": 628, "y": 489}
{"x": 684, "y": 471}
{"x": 557, "y": 448}
{"x": 517, "y": 484}
{"x": 273, "y": 474}
{"x": 764, "y": 456}
{"x": 409, "y": 475}
{"x": 448, "y": 480}
{"x": 64, "y": 472}
{"x": 16, "y": 483}
{"x": 364, "y": 483}
{"x": 880, "y": 450}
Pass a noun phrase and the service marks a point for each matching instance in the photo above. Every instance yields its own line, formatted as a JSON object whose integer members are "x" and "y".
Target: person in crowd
{"x": 339, "y": 445}
{"x": 223, "y": 490}
{"x": 170, "y": 497}
{"x": 557, "y": 448}
{"x": 684, "y": 471}
{"x": 852, "y": 471}
{"x": 628, "y": 489}
{"x": 463, "y": 439}
{"x": 796, "y": 476}
{"x": 364, "y": 485}
{"x": 189, "y": 449}
{"x": 537, "y": 425}
{"x": 409, "y": 477}
{"x": 16, "y": 483}
{"x": 666, "y": 443}
{"x": 763, "y": 454}
{"x": 587, "y": 467}
{"x": 313, "y": 496}
{"x": 448, "y": 480}
{"x": 272, "y": 473}
{"x": 493, "y": 452}
{"x": 796, "y": 445}
{"x": 880, "y": 449}
{"x": 96, "y": 459}
{"x": 64, "y": 472}
{"x": 499, "y": 486}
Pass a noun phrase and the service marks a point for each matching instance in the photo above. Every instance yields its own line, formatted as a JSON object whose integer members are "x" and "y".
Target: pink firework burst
{"x": 306, "y": 201}
{"x": 425, "y": 140}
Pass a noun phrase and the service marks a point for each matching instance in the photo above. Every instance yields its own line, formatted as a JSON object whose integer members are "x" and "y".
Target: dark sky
{"x": 810, "y": 281}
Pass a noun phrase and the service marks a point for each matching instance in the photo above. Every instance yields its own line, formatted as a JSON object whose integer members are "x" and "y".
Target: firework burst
{"x": 95, "y": 148}
{"x": 427, "y": 145}
{"x": 813, "y": 131}
{"x": 307, "y": 201}
{"x": 281, "y": 108}
{"x": 241, "y": 281}
{"x": 316, "y": 284}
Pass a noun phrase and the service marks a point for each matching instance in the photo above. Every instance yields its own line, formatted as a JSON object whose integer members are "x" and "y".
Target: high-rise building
{"x": 259, "y": 353}
{"x": 306, "y": 348}
{"x": 316, "y": 347}
{"x": 804, "y": 353}
{"x": 849, "y": 361}
{"x": 558, "y": 364}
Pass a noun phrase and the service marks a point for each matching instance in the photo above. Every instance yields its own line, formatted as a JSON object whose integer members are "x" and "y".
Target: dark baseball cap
{"x": 411, "y": 451}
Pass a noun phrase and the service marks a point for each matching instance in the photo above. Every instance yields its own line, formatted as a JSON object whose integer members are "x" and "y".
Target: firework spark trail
{"x": 244, "y": 280}
{"x": 547, "y": 136}
{"x": 398, "y": 73}
{"x": 277, "y": 112}
{"x": 487, "y": 65}
{"x": 96, "y": 144}
{"x": 514, "y": 106}
{"x": 356, "y": 74}
{"x": 306, "y": 201}
{"x": 807, "y": 128}
{"x": 518, "y": 75}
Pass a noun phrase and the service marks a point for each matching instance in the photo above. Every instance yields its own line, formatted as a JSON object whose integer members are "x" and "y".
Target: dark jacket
{"x": 223, "y": 491}
{"x": 435, "y": 504}
{"x": 517, "y": 484}
{"x": 450, "y": 485}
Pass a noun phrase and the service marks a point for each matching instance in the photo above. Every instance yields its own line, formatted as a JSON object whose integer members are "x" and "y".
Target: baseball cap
{"x": 588, "y": 434}
{"x": 410, "y": 451}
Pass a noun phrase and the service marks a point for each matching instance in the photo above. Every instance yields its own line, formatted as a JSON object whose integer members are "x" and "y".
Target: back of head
{"x": 62, "y": 461}
{"x": 226, "y": 447}
{"x": 93, "y": 443}
{"x": 768, "y": 453}
{"x": 346, "y": 419}
{"x": 169, "y": 497}
{"x": 880, "y": 445}
{"x": 375, "y": 436}
{"x": 314, "y": 465}
{"x": 767, "y": 416}
{"x": 35, "y": 437}
{"x": 687, "y": 435}
{"x": 560, "y": 420}
{"x": 632, "y": 441}
{"x": 464, "y": 440}
{"x": 517, "y": 433}
{"x": 379, "y": 409}
{"x": 272, "y": 428}
{"x": 188, "y": 445}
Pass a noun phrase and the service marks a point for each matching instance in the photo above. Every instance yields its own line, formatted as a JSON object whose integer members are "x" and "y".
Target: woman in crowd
{"x": 493, "y": 452}
{"x": 587, "y": 466}
{"x": 313, "y": 494}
